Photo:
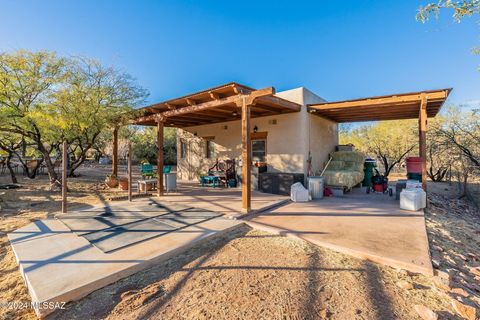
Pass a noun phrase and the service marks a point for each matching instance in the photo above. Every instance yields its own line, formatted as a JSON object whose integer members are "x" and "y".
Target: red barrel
{"x": 378, "y": 187}
{"x": 414, "y": 165}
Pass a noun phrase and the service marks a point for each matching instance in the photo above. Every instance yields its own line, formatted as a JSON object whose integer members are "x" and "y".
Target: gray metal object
{"x": 315, "y": 187}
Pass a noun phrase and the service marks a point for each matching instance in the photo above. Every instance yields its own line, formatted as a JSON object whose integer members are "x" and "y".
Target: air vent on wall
{"x": 225, "y": 127}
{"x": 272, "y": 121}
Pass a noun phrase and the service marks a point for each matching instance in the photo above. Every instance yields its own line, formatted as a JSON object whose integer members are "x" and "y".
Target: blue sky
{"x": 338, "y": 49}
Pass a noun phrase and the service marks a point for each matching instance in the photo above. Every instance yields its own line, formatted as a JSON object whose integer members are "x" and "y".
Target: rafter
{"x": 214, "y": 95}
{"x": 191, "y": 102}
{"x": 221, "y": 108}
{"x": 170, "y": 106}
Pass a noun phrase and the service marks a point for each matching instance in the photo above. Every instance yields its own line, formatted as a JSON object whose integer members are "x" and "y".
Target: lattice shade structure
{"x": 390, "y": 107}
{"x": 214, "y": 105}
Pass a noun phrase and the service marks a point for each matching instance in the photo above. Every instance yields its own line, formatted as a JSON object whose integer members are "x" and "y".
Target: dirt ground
{"x": 31, "y": 202}
{"x": 249, "y": 274}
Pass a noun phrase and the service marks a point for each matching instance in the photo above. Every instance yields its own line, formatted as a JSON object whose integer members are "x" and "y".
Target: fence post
{"x": 64, "y": 176}
{"x": 129, "y": 171}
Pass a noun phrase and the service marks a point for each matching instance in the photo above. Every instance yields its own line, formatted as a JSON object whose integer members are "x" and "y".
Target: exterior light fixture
{"x": 234, "y": 113}
{"x": 255, "y": 129}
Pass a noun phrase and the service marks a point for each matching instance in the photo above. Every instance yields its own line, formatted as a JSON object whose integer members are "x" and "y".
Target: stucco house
{"x": 283, "y": 141}
{"x": 292, "y": 131}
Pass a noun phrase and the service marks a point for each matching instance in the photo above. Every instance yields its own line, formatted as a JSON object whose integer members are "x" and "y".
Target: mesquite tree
{"x": 388, "y": 141}
{"x": 47, "y": 99}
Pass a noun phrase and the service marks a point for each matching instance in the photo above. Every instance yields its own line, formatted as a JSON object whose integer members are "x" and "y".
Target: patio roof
{"x": 389, "y": 107}
{"x": 214, "y": 105}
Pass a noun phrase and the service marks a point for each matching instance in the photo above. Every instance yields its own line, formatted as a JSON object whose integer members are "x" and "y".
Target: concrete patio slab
{"x": 227, "y": 201}
{"x": 59, "y": 265}
{"x": 120, "y": 237}
{"x": 366, "y": 226}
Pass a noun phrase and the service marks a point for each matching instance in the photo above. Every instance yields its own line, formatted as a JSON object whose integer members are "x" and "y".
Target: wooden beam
{"x": 187, "y": 122}
{"x": 284, "y": 104}
{"x": 254, "y": 95}
{"x": 251, "y": 97}
{"x": 214, "y": 95}
{"x": 386, "y": 100}
{"x": 220, "y": 110}
{"x": 191, "y": 102}
{"x": 266, "y": 108}
{"x": 422, "y": 127}
{"x": 170, "y": 106}
{"x": 115, "y": 152}
{"x": 64, "y": 176}
{"x": 237, "y": 89}
{"x": 149, "y": 118}
{"x": 129, "y": 164}
{"x": 201, "y": 106}
{"x": 160, "y": 158}
{"x": 246, "y": 158}
{"x": 201, "y": 116}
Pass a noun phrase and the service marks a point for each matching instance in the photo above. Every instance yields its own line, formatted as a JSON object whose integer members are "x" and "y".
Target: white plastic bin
{"x": 170, "y": 181}
{"x": 413, "y": 199}
{"x": 298, "y": 193}
{"x": 315, "y": 187}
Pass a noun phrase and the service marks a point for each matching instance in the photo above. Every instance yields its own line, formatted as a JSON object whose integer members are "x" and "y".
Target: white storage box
{"x": 413, "y": 199}
{"x": 298, "y": 193}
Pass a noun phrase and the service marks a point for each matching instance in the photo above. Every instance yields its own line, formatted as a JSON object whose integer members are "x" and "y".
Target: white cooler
{"x": 413, "y": 199}
{"x": 298, "y": 193}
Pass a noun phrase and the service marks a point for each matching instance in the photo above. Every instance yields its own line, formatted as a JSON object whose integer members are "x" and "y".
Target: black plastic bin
{"x": 278, "y": 182}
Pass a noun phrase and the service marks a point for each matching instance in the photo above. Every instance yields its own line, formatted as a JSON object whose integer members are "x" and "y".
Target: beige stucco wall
{"x": 322, "y": 134}
{"x": 288, "y": 140}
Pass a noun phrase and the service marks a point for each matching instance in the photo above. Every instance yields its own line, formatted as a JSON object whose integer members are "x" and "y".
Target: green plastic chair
{"x": 147, "y": 170}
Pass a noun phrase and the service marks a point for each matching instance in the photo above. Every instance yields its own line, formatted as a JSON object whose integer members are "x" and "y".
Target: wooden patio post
{"x": 64, "y": 176}
{"x": 160, "y": 157}
{"x": 422, "y": 129}
{"x": 246, "y": 157}
{"x": 129, "y": 171}
{"x": 115, "y": 152}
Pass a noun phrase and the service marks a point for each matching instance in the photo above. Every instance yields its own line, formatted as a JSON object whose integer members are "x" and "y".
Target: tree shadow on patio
{"x": 125, "y": 290}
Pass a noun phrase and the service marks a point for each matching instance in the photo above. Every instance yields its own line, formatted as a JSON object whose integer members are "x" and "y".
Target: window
{"x": 209, "y": 149}
{"x": 183, "y": 149}
{"x": 259, "y": 150}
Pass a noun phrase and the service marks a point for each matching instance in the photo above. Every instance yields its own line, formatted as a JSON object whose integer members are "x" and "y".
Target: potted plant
{"x": 123, "y": 183}
{"x": 111, "y": 181}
